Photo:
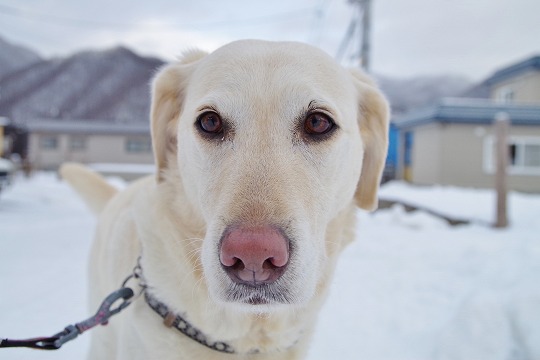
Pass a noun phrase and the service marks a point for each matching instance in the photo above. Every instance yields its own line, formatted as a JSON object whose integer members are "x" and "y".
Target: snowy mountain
{"x": 113, "y": 85}
{"x": 14, "y": 57}
{"x": 92, "y": 85}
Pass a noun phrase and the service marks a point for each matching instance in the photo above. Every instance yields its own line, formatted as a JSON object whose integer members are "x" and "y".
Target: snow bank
{"x": 477, "y": 205}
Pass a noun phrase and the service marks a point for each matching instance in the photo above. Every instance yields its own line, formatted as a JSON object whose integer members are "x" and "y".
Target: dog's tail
{"x": 89, "y": 185}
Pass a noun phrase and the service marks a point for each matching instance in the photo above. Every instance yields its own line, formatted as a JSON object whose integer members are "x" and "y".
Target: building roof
{"x": 532, "y": 63}
{"x": 82, "y": 127}
{"x": 470, "y": 111}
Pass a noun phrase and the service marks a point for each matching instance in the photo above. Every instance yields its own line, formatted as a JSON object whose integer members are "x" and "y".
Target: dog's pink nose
{"x": 254, "y": 256}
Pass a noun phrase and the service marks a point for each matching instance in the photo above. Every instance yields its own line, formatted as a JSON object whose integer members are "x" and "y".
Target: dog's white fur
{"x": 264, "y": 171}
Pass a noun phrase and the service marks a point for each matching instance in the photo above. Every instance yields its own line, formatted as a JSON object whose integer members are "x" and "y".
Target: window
{"x": 531, "y": 156}
{"x": 48, "y": 142}
{"x": 77, "y": 143}
{"x": 138, "y": 145}
{"x": 523, "y": 155}
{"x": 505, "y": 95}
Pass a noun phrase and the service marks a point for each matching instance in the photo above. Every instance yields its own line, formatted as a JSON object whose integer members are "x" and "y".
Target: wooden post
{"x": 502, "y": 126}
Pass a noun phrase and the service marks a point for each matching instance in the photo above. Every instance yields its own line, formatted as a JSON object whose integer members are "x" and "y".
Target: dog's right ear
{"x": 168, "y": 92}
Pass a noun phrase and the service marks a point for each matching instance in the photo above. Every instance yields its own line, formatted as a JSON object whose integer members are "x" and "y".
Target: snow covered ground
{"x": 410, "y": 287}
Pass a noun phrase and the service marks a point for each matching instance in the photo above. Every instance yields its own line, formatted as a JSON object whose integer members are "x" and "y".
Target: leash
{"x": 105, "y": 311}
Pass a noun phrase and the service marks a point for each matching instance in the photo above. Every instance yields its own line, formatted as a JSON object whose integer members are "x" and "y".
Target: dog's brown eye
{"x": 318, "y": 124}
{"x": 211, "y": 122}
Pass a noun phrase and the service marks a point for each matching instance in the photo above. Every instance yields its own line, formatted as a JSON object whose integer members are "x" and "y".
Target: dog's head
{"x": 271, "y": 142}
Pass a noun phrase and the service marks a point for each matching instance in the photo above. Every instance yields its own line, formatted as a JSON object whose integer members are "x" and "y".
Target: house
{"x": 452, "y": 142}
{"x": 517, "y": 83}
{"x": 123, "y": 149}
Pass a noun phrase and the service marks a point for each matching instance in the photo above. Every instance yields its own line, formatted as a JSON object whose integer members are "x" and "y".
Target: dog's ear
{"x": 168, "y": 92}
{"x": 373, "y": 120}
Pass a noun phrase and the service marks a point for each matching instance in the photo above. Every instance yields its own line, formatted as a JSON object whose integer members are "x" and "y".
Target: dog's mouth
{"x": 256, "y": 300}
{"x": 263, "y": 294}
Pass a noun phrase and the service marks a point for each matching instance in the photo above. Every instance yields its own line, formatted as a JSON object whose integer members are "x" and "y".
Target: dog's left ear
{"x": 373, "y": 120}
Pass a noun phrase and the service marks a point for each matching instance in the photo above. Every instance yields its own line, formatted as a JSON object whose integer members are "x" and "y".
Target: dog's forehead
{"x": 252, "y": 55}
{"x": 270, "y": 70}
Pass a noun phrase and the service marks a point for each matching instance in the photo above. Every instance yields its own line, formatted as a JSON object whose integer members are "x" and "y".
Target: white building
{"x": 121, "y": 149}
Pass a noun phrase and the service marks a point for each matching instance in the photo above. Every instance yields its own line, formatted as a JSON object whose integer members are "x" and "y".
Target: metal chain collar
{"x": 179, "y": 323}
{"x": 171, "y": 319}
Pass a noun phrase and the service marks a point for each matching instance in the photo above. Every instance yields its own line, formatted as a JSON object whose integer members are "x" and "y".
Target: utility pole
{"x": 360, "y": 27}
{"x": 365, "y": 47}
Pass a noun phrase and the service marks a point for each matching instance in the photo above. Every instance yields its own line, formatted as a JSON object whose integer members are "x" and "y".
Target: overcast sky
{"x": 409, "y": 37}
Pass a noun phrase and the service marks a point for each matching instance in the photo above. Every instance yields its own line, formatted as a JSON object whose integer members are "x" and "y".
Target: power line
{"x": 346, "y": 39}
{"x": 132, "y": 26}
{"x": 359, "y": 27}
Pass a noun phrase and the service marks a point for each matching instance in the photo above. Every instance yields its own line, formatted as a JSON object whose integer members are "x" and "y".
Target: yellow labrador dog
{"x": 263, "y": 151}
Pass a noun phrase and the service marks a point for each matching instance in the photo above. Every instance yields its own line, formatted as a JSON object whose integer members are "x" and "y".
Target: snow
{"x": 410, "y": 287}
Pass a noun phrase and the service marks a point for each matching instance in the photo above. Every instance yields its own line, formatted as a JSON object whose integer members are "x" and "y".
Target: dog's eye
{"x": 210, "y": 122}
{"x": 318, "y": 124}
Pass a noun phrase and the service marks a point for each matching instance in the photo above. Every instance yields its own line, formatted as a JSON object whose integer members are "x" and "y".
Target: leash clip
{"x": 105, "y": 311}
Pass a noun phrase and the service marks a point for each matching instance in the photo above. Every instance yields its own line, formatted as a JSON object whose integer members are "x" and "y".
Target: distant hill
{"x": 14, "y": 57}
{"x": 479, "y": 91}
{"x": 406, "y": 94}
{"x": 92, "y": 85}
{"x": 113, "y": 85}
